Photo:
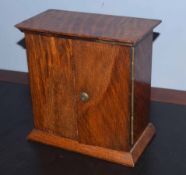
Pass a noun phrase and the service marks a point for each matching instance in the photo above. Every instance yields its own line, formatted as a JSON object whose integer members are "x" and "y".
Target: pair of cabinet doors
{"x": 61, "y": 70}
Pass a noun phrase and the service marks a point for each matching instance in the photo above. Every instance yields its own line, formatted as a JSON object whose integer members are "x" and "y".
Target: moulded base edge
{"x": 120, "y": 157}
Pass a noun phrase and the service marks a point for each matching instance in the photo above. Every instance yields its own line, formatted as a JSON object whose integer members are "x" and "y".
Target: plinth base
{"x": 121, "y": 157}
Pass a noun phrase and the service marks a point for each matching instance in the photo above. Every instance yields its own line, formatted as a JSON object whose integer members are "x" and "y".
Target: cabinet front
{"x": 102, "y": 92}
{"x": 81, "y": 89}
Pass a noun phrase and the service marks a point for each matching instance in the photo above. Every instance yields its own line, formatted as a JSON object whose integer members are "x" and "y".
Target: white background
{"x": 169, "y": 54}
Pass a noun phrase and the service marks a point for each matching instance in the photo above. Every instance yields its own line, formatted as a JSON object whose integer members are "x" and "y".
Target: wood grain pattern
{"x": 104, "y": 77}
{"x": 103, "y": 71}
{"x": 142, "y": 85}
{"x": 157, "y": 94}
{"x": 52, "y": 84}
{"x": 71, "y": 53}
{"x": 90, "y": 26}
{"x": 121, "y": 157}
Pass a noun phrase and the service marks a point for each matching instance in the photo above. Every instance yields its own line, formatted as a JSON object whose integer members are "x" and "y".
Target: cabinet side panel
{"x": 142, "y": 85}
{"x": 103, "y": 72}
{"x": 51, "y": 76}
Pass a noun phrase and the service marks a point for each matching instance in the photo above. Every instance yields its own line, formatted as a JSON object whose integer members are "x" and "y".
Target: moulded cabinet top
{"x": 90, "y": 26}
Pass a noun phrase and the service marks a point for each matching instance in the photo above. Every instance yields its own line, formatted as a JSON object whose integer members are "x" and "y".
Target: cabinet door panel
{"x": 52, "y": 84}
{"x": 103, "y": 72}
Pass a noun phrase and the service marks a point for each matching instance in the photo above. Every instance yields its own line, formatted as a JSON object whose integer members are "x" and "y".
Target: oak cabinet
{"x": 90, "y": 78}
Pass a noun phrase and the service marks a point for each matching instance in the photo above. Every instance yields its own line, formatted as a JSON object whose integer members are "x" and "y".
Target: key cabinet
{"x": 90, "y": 81}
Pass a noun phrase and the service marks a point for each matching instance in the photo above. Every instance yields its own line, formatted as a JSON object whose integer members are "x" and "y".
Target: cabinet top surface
{"x": 90, "y": 26}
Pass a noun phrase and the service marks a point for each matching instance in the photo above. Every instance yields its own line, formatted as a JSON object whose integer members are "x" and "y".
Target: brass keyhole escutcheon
{"x": 84, "y": 96}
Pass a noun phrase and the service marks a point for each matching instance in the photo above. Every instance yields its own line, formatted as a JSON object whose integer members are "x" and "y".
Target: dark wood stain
{"x": 142, "y": 85}
{"x": 14, "y": 76}
{"x": 168, "y": 96}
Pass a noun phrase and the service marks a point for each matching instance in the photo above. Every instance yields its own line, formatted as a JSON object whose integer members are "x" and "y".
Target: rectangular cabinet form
{"x": 90, "y": 79}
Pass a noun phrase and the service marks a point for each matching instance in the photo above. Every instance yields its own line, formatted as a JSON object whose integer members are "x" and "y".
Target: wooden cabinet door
{"x": 52, "y": 84}
{"x": 103, "y": 72}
